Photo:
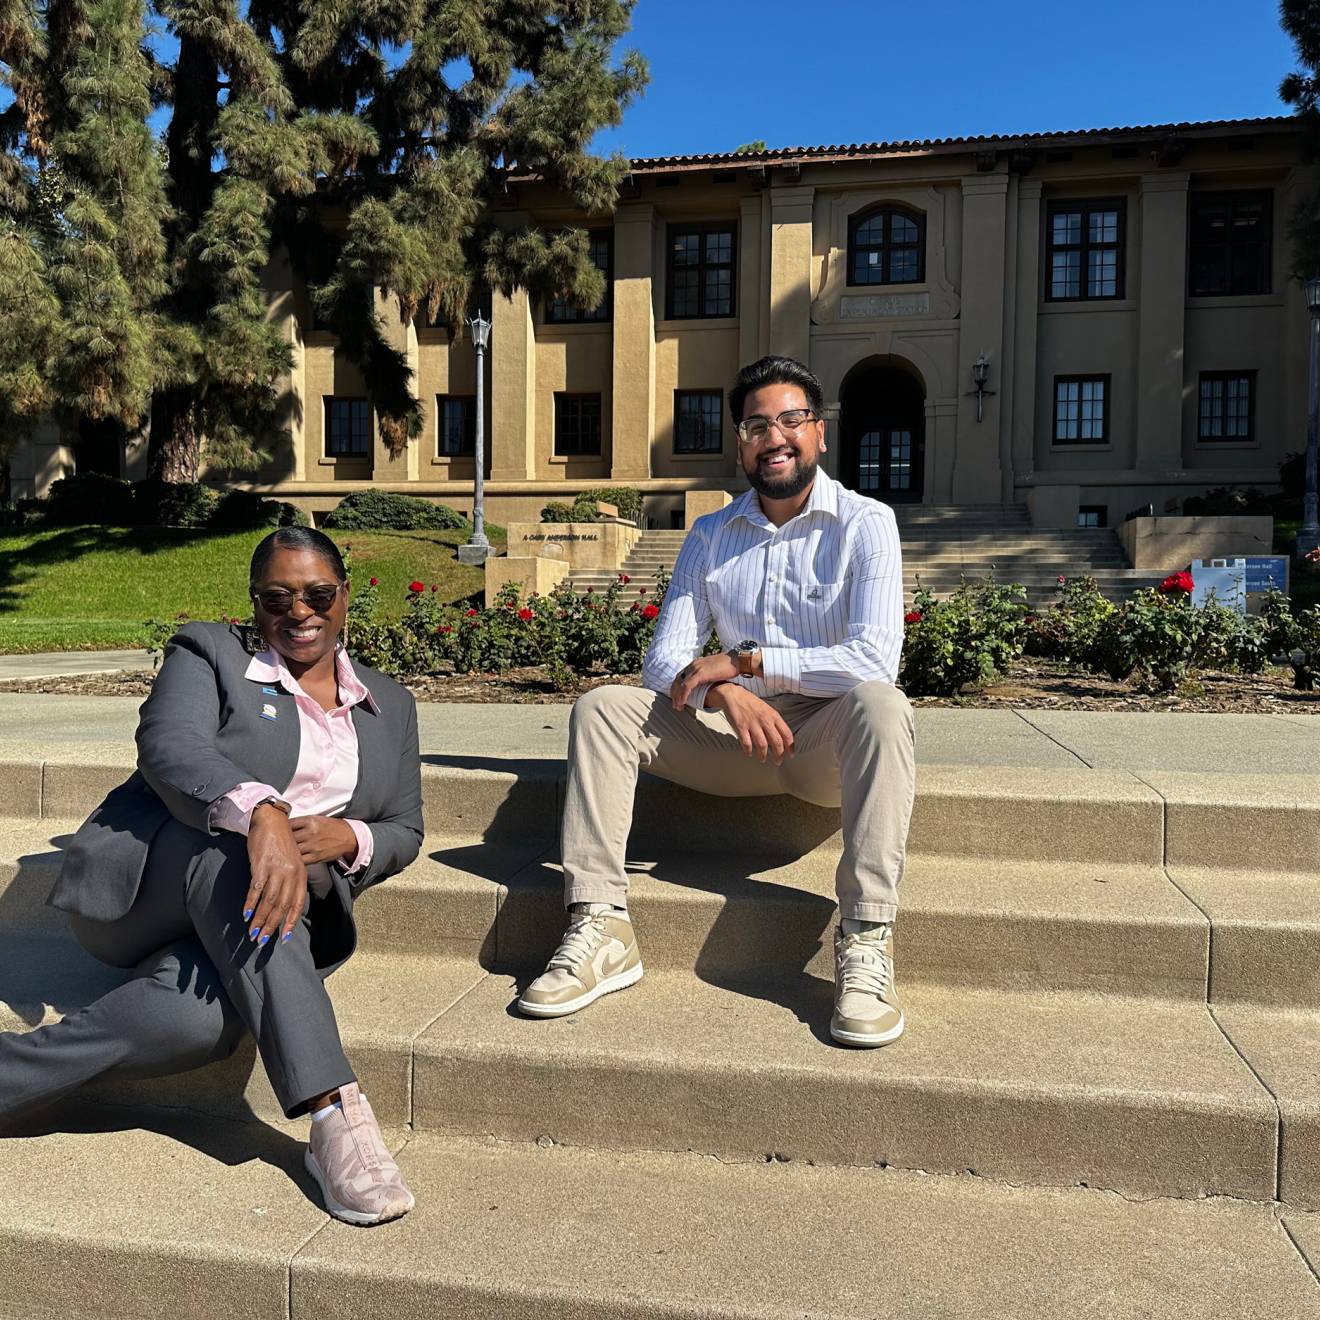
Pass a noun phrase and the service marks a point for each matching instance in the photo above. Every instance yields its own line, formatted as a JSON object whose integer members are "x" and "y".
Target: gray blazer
{"x": 201, "y": 733}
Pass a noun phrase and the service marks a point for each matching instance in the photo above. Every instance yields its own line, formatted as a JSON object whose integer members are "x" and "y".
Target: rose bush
{"x": 969, "y": 638}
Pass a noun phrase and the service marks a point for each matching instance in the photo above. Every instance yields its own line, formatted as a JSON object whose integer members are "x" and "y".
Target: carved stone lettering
{"x": 877, "y": 305}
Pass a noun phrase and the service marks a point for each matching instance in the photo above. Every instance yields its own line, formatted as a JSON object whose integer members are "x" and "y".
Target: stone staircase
{"x": 945, "y": 545}
{"x": 1106, "y": 1100}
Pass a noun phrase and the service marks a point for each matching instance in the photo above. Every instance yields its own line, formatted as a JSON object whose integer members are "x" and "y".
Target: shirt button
{"x": 774, "y": 577}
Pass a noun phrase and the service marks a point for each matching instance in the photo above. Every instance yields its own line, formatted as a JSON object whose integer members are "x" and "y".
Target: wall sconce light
{"x": 980, "y": 374}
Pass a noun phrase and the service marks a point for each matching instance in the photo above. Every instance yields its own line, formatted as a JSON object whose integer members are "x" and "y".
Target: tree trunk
{"x": 174, "y": 447}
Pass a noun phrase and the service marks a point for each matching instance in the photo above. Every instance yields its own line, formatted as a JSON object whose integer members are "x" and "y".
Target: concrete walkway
{"x": 61, "y": 664}
{"x": 1124, "y": 740}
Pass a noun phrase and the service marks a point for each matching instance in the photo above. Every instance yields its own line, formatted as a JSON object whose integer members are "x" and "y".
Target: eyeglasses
{"x": 319, "y": 598}
{"x": 753, "y": 430}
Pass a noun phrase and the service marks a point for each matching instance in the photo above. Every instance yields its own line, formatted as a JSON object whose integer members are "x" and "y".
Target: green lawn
{"x": 91, "y": 588}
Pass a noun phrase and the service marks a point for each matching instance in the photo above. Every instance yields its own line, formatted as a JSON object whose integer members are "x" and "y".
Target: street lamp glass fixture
{"x": 480, "y": 328}
{"x": 981, "y": 368}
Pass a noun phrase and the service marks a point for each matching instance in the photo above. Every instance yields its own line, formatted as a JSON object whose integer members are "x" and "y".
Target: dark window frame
{"x": 328, "y": 405}
{"x": 1100, "y": 511}
{"x": 566, "y": 404}
{"x": 1231, "y": 197}
{"x": 886, "y": 247}
{"x": 1209, "y": 376}
{"x": 1086, "y": 206}
{"x": 708, "y": 450}
{"x": 1103, "y": 378}
{"x": 702, "y": 229}
{"x": 559, "y": 311}
{"x": 468, "y": 443}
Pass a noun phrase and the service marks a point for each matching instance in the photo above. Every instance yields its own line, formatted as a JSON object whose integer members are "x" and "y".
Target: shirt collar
{"x": 269, "y": 667}
{"x": 824, "y": 498}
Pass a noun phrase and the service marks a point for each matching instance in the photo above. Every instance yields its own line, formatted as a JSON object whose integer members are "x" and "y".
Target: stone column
{"x": 388, "y": 464}
{"x": 1160, "y": 320}
{"x": 511, "y": 364}
{"x": 976, "y": 472}
{"x": 632, "y": 386}
{"x": 1023, "y": 412}
{"x": 790, "y": 271}
{"x": 751, "y": 288}
{"x": 291, "y": 464}
{"x": 941, "y": 439}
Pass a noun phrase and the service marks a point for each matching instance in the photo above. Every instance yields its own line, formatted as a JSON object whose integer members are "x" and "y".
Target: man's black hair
{"x": 775, "y": 371}
{"x": 297, "y": 538}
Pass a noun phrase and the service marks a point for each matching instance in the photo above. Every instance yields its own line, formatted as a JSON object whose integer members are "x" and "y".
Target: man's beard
{"x": 784, "y": 488}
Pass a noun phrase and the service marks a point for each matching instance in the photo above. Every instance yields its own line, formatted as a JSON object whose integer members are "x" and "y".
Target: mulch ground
{"x": 1032, "y": 684}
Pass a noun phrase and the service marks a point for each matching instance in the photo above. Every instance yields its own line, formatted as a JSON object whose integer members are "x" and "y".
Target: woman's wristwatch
{"x": 744, "y": 657}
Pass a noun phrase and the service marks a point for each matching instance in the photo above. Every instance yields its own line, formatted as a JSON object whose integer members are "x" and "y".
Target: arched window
{"x": 887, "y": 245}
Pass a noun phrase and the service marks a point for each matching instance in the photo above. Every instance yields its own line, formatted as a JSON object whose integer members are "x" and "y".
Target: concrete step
{"x": 972, "y": 923}
{"x": 1005, "y": 813}
{"x": 1139, "y": 1096}
{"x": 1143, "y": 1096}
{"x": 192, "y": 1218}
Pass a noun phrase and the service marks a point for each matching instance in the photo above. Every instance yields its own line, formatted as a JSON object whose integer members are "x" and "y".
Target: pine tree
{"x": 1301, "y": 89}
{"x": 81, "y": 214}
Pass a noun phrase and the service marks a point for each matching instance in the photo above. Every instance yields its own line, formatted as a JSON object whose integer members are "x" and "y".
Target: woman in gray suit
{"x": 277, "y": 779}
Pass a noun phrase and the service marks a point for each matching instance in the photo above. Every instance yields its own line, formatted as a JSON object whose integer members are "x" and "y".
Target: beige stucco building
{"x": 1127, "y": 292}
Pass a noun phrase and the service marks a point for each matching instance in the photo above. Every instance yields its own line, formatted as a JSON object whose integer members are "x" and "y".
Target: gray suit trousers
{"x": 198, "y": 983}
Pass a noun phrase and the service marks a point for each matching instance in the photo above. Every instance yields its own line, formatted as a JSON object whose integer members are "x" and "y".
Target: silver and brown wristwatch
{"x": 744, "y": 656}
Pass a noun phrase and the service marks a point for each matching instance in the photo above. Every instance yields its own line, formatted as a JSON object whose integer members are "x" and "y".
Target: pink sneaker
{"x": 357, "y": 1175}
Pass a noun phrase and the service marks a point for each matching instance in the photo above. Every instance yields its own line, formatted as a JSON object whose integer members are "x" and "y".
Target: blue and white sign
{"x": 1267, "y": 573}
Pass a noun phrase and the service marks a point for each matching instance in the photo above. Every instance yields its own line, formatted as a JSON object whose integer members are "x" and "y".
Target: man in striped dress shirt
{"x": 802, "y": 581}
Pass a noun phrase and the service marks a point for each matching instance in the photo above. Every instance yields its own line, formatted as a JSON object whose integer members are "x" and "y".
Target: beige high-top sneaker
{"x": 597, "y": 955}
{"x": 866, "y": 1010}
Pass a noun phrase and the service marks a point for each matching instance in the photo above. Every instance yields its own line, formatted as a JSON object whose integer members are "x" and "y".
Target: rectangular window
{"x": 577, "y": 425}
{"x": 700, "y": 271}
{"x": 456, "y": 425}
{"x": 1227, "y": 406}
{"x": 1084, "y": 249}
{"x": 1081, "y": 410}
{"x": 698, "y": 417}
{"x": 347, "y": 428}
{"x": 1093, "y": 515}
{"x": 1228, "y": 243}
{"x": 559, "y": 311}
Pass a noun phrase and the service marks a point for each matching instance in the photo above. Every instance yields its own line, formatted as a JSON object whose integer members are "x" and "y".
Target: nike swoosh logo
{"x": 609, "y": 968}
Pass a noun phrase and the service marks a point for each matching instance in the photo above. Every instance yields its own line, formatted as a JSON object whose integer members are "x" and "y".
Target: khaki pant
{"x": 853, "y": 751}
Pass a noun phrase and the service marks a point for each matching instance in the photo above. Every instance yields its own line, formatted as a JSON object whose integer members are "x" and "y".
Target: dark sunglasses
{"x": 319, "y": 598}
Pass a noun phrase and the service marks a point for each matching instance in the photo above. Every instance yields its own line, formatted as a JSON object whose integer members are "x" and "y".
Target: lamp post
{"x": 477, "y": 549}
{"x": 1308, "y": 536}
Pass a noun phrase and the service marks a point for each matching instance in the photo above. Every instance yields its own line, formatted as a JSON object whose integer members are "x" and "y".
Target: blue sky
{"x": 799, "y": 73}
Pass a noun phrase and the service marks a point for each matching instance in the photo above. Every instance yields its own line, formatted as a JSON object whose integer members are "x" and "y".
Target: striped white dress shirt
{"x": 823, "y": 595}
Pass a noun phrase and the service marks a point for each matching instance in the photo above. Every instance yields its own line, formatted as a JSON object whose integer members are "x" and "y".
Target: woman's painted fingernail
{"x": 254, "y": 932}
{"x": 263, "y": 939}
{"x": 247, "y": 914}
{"x": 286, "y": 937}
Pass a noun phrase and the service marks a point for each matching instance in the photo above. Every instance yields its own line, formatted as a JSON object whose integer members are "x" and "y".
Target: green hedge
{"x": 367, "y": 509}
{"x": 583, "y": 509}
{"x": 91, "y": 499}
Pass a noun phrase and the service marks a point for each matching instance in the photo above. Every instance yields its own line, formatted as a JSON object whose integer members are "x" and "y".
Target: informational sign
{"x": 1267, "y": 573}
{"x": 1224, "y": 580}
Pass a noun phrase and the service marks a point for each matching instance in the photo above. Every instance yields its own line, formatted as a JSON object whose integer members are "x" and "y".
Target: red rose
{"x": 641, "y": 591}
{"x": 1061, "y": 579}
{"x": 417, "y": 587}
{"x": 375, "y": 582}
{"x": 444, "y": 628}
{"x": 434, "y": 587}
{"x": 912, "y": 616}
{"x": 650, "y": 611}
{"x": 525, "y": 614}
{"x": 591, "y": 591}
{"x": 470, "y": 613}
{"x": 1177, "y": 584}
{"x": 624, "y": 578}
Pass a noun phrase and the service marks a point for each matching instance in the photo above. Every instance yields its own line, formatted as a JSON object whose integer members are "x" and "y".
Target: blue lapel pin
{"x": 268, "y": 711}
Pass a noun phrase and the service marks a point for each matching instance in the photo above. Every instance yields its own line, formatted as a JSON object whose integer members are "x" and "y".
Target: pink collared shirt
{"x": 327, "y": 770}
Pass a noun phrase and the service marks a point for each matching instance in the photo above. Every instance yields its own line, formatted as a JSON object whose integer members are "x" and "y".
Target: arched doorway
{"x": 882, "y": 417}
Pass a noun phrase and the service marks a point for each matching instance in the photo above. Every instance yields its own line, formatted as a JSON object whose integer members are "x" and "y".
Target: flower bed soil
{"x": 1030, "y": 684}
